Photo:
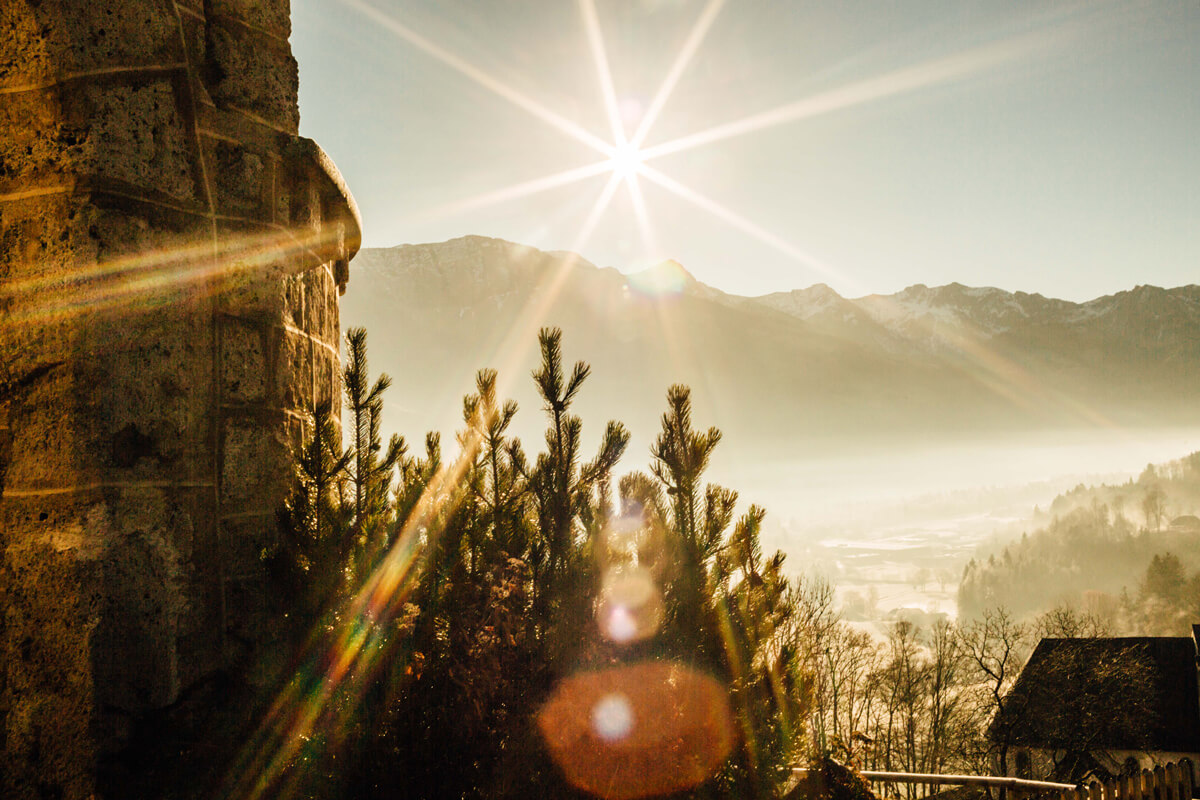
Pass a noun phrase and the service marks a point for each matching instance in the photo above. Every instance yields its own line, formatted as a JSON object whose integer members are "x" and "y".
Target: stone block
{"x": 131, "y": 133}
{"x": 45, "y": 40}
{"x": 137, "y": 136}
{"x": 254, "y": 73}
{"x": 199, "y": 633}
{"x": 293, "y": 371}
{"x": 272, "y": 16}
{"x": 257, "y": 269}
{"x": 327, "y": 387}
{"x": 44, "y": 243}
{"x": 50, "y": 600}
{"x": 44, "y": 435}
{"x": 145, "y": 578}
{"x": 245, "y": 541}
{"x": 321, "y": 318}
{"x": 243, "y": 361}
{"x": 240, "y": 179}
{"x": 295, "y": 300}
{"x": 256, "y": 461}
{"x": 34, "y": 140}
{"x": 254, "y": 291}
{"x": 144, "y": 399}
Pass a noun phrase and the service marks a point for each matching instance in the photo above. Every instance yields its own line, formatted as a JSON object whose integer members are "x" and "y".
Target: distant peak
{"x": 818, "y": 290}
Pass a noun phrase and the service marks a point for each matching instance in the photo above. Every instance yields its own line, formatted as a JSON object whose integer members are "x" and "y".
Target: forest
{"x": 1112, "y": 550}
{"x": 502, "y": 624}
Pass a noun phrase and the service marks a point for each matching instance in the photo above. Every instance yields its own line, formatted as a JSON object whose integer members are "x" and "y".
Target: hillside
{"x": 1096, "y": 551}
{"x": 806, "y": 369}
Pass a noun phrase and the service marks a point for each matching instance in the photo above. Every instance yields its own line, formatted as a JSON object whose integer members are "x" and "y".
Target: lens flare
{"x": 665, "y": 279}
{"x": 612, "y": 718}
{"x": 680, "y": 729}
{"x": 630, "y": 606}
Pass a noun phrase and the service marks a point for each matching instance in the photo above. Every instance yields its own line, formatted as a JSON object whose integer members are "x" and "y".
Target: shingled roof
{"x": 1137, "y": 693}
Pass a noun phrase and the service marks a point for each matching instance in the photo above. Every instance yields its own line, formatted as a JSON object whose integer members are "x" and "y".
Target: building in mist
{"x": 1103, "y": 707}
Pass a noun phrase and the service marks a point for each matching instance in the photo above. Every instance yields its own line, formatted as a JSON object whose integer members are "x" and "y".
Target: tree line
{"x": 470, "y": 588}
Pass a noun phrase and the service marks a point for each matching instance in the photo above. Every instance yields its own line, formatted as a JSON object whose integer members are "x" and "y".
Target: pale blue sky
{"x": 1026, "y": 145}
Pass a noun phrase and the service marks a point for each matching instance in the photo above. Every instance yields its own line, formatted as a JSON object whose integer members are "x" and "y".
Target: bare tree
{"x": 1154, "y": 506}
{"x": 1067, "y": 622}
{"x": 995, "y": 647}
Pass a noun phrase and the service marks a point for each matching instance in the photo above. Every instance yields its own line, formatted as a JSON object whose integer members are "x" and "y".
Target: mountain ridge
{"x": 926, "y": 361}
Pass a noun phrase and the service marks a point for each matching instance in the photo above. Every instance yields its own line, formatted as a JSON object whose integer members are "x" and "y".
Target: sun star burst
{"x": 626, "y": 161}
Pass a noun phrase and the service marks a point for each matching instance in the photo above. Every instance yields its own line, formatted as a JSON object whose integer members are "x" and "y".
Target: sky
{"x": 1043, "y": 147}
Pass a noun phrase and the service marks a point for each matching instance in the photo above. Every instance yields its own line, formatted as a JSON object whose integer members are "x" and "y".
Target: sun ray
{"x": 690, "y": 46}
{"x": 642, "y": 214}
{"x": 304, "y": 707}
{"x": 482, "y": 78}
{"x": 593, "y": 217}
{"x": 516, "y": 191}
{"x": 899, "y": 82}
{"x": 150, "y": 279}
{"x": 741, "y": 223}
{"x": 595, "y": 39}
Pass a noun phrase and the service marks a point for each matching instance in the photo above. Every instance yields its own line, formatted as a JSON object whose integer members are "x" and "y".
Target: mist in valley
{"x": 891, "y": 439}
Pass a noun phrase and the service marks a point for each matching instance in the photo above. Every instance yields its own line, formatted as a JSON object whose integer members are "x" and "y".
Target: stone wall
{"x": 171, "y": 254}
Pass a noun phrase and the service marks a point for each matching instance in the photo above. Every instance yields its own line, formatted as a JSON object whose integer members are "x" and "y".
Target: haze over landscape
{"x": 800, "y": 213}
{"x": 885, "y": 434}
{"x": 660, "y": 398}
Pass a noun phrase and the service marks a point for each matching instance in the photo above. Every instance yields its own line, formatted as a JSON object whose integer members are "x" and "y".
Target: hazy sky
{"x": 1035, "y": 146}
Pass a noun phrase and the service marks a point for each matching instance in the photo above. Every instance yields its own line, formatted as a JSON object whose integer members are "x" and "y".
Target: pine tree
{"x": 564, "y": 495}
{"x": 313, "y": 523}
{"x": 371, "y": 473}
{"x": 727, "y": 604}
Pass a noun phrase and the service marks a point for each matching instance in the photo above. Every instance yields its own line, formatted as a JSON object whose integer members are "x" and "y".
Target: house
{"x": 1102, "y": 707}
{"x": 1187, "y": 523}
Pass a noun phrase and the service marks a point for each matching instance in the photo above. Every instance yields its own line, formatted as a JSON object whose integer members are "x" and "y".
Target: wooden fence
{"x": 1173, "y": 782}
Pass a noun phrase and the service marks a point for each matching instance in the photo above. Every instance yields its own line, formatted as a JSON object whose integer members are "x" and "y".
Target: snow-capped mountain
{"x": 925, "y": 361}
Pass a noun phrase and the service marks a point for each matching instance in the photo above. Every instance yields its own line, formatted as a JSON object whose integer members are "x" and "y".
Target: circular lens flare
{"x": 630, "y": 605}
{"x": 612, "y": 717}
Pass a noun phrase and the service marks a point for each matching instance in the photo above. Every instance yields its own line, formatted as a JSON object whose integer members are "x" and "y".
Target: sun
{"x": 626, "y": 161}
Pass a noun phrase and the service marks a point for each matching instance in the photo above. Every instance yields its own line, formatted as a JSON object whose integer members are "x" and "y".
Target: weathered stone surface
{"x": 160, "y": 338}
{"x": 137, "y": 136}
{"x": 253, "y": 461}
{"x": 272, "y": 16}
{"x": 294, "y": 371}
{"x": 243, "y": 543}
{"x": 41, "y": 40}
{"x": 127, "y": 132}
{"x": 50, "y": 590}
{"x": 240, "y": 177}
{"x": 243, "y": 363}
{"x": 253, "y": 73}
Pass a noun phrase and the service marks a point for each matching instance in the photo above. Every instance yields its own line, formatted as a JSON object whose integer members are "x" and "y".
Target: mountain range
{"x": 806, "y": 369}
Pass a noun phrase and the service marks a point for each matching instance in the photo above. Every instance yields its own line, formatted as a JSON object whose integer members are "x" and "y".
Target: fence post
{"x": 1160, "y": 783}
{"x": 1187, "y": 779}
{"x": 1173, "y": 792}
{"x": 1147, "y": 785}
